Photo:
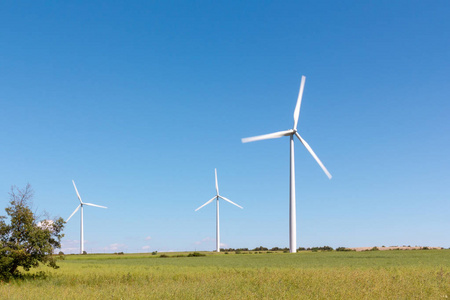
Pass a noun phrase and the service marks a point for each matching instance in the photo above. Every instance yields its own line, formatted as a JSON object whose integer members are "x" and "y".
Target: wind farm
{"x": 141, "y": 102}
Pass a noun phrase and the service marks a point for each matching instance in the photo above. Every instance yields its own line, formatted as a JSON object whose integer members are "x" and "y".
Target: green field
{"x": 415, "y": 274}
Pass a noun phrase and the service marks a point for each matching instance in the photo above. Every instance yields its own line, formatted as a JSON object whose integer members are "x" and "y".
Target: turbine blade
{"x": 79, "y": 198}
{"x": 73, "y": 213}
{"x": 268, "y": 136}
{"x": 231, "y": 202}
{"x": 207, "y": 203}
{"x": 217, "y": 185}
{"x": 90, "y": 204}
{"x": 313, "y": 154}
{"x": 299, "y": 102}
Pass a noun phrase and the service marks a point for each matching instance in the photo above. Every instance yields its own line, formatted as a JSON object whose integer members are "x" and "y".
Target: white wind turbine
{"x": 291, "y": 133}
{"x": 81, "y": 206}
{"x": 217, "y": 196}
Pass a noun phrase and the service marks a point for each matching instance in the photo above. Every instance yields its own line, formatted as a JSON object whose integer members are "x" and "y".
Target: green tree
{"x": 25, "y": 242}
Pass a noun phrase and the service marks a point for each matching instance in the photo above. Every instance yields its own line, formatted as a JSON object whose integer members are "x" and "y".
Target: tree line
{"x": 261, "y": 248}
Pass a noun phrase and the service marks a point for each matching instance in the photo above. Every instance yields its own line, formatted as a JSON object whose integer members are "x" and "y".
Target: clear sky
{"x": 138, "y": 102}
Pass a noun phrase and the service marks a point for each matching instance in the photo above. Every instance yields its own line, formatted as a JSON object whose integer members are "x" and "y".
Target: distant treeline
{"x": 285, "y": 249}
{"x": 313, "y": 249}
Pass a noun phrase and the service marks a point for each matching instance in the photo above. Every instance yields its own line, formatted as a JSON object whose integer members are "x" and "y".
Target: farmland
{"x": 414, "y": 274}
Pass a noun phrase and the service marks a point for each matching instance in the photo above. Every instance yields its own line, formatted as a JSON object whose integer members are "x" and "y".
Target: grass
{"x": 416, "y": 274}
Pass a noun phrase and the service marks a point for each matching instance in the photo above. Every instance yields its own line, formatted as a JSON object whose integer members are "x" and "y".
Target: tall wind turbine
{"x": 217, "y": 196}
{"x": 291, "y": 133}
{"x": 81, "y": 206}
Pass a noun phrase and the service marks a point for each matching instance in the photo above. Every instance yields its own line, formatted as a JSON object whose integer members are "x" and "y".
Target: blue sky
{"x": 138, "y": 102}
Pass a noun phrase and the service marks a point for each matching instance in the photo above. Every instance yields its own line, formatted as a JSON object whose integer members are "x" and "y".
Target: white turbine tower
{"x": 81, "y": 206}
{"x": 217, "y": 196}
{"x": 291, "y": 133}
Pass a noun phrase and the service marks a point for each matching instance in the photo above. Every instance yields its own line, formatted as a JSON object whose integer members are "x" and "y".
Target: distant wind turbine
{"x": 217, "y": 196}
{"x": 291, "y": 133}
{"x": 81, "y": 206}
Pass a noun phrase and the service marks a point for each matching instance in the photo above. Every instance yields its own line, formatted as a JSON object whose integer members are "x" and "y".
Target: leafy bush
{"x": 196, "y": 254}
{"x": 260, "y": 248}
{"x": 154, "y": 252}
{"x": 324, "y": 248}
{"x": 232, "y": 249}
{"x": 343, "y": 249}
{"x": 25, "y": 242}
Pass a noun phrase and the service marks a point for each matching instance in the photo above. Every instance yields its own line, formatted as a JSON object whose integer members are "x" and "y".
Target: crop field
{"x": 414, "y": 274}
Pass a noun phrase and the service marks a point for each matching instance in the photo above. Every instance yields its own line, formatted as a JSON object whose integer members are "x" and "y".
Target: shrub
{"x": 154, "y": 252}
{"x": 25, "y": 242}
{"x": 344, "y": 249}
{"x": 324, "y": 248}
{"x": 374, "y": 249}
{"x": 260, "y": 248}
{"x": 196, "y": 254}
{"x": 227, "y": 249}
{"x": 163, "y": 256}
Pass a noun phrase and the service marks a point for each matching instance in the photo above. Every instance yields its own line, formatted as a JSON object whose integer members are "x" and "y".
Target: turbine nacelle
{"x": 292, "y": 131}
{"x": 217, "y": 196}
{"x": 81, "y": 202}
